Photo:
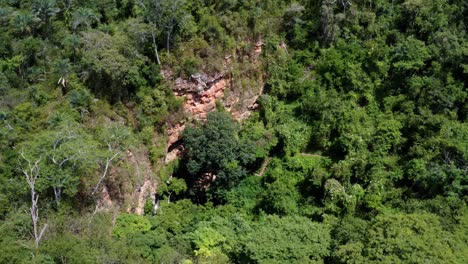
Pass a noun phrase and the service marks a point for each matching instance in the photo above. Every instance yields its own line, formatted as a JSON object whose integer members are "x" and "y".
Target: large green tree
{"x": 216, "y": 149}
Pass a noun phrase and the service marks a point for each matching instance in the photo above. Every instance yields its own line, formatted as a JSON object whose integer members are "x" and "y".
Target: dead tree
{"x": 114, "y": 141}
{"x": 31, "y": 171}
{"x": 107, "y": 163}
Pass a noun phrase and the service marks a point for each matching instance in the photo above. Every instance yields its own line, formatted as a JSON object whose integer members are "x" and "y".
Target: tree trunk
{"x": 35, "y": 218}
{"x": 155, "y": 48}
{"x": 31, "y": 172}
{"x": 104, "y": 174}
{"x": 58, "y": 195}
{"x": 168, "y": 38}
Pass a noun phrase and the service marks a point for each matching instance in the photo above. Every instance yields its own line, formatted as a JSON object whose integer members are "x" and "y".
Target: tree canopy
{"x": 339, "y": 134}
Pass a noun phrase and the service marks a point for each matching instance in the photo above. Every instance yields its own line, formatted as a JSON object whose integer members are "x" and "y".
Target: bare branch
{"x": 32, "y": 172}
{"x": 104, "y": 174}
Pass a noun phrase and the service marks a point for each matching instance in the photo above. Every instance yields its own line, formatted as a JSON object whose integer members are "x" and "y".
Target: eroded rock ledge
{"x": 203, "y": 90}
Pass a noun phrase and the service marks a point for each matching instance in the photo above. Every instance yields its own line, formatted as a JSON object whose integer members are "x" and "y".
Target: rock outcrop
{"x": 145, "y": 185}
{"x": 128, "y": 187}
{"x": 202, "y": 91}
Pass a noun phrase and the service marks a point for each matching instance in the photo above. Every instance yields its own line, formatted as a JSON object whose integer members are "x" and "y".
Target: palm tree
{"x": 71, "y": 44}
{"x": 66, "y": 6}
{"x": 4, "y": 14}
{"x": 62, "y": 67}
{"x": 23, "y": 22}
{"x": 84, "y": 17}
{"x": 45, "y": 9}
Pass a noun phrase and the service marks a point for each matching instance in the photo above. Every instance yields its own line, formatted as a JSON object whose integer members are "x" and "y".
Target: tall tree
{"x": 113, "y": 138}
{"x": 164, "y": 16}
{"x": 30, "y": 168}
{"x": 65, "y": 153}
{"x": 45, "y": 10}
{"x": 83, "y": 18}
{"x": 70, "y": 151}
{"x": 215, "y": 149}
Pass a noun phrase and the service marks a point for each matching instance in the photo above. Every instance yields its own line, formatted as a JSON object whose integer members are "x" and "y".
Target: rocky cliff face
{"x": 128, "y": 186}
{"x": 133, "y": 185}
{"x": 202, "y": 91}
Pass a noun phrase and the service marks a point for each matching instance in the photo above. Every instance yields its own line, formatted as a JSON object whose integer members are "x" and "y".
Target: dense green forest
{"x": 356, "y": 151}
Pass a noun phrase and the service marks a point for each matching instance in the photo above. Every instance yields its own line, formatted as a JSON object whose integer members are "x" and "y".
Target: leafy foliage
{"x": 357, "y": 152}
{"x": 216, "y": 148}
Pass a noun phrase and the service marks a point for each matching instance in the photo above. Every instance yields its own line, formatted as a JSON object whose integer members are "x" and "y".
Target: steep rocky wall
{"x": 129, "y": 185}
{"x": 145, "y": 186}
{"x": 202, "y": 90}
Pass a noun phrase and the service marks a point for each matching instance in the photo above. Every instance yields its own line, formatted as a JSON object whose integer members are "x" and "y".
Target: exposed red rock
{"x": 203, "y": 90}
